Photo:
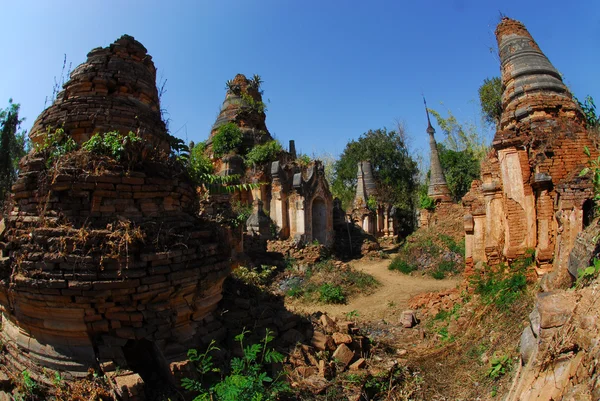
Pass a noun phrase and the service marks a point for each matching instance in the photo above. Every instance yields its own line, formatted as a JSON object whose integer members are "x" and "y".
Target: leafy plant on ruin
{"x": 56, "y": 144}
{"x": 594, "y": 169}
{"x": 587, "y": 275}
{"x": 113, "y": 144}
{"x": 490, "y": 100}
{"x": 247, "y": 380}
{"x": 254, "y": 105}
{"x": 230, "y": 85}
{"x": 255, "y": 82}
{"x": 372, "y": 203}
{"x": 227, "y": 139}
{"x": 303, "y": 159}
{"x": 588, "y": 107}
{"x": 264, "y": 153}
{"x": 425, "y": 201}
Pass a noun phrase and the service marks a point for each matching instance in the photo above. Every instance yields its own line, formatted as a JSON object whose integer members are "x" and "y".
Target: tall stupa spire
{"x": 438, "y": 188}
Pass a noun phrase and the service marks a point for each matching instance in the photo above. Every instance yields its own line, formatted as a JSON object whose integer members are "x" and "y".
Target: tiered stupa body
{"x": 530, "y": 192}
{"x": 107, "y": 265}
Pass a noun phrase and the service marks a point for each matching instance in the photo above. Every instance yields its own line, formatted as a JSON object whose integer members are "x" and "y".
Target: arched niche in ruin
{"x": 319, "y": 220}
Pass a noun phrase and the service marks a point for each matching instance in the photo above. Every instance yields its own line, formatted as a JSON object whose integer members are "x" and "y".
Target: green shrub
{"x": 261, "y": 154}
{"x": 587, "y": 275}
{"x": 248, "y": 379}
{"x": 501, "y": 285}
{"x": 257, "y": 276}
{"x": 458, "y": 248}
{"x": 372, "y": 203}
{"x": 402, "y": 266}
{"x": 55, "y": 145}
{"x": 254, "y": 105}
{"x": 227, "y": 139}
{"x": 499, "y": 367}
{"x": 331, "y": 294}
{"x": 112, "y": 144}
{"x": 199, "y": 164}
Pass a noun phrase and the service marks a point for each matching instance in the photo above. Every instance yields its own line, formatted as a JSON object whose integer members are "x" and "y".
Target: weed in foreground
{"x": 247, "y": 380}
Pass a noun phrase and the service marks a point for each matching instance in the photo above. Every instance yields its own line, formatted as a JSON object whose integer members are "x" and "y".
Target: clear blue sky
{"x": 332, "y": 69}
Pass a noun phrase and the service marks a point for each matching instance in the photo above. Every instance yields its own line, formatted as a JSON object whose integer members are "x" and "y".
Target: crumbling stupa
{"x": 107, "y": 266}
{"x": 530, "y": 195}
{"x": 438, "y": 188}
{"x": 295, "y": 195}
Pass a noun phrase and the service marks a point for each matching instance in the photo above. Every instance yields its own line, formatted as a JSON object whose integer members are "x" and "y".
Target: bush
{"x": 401, "y": 265}
{"x": 261, "y": 154}
{"x": 331, "y": 294}
{"x": 56, "y": 144}
{"x": 199, "y": 164}
{"x": 112, "y": 144}
{"x": 360, "y": 280}
{"x": 248, "y": 379}
{"x": 227, "y": 139}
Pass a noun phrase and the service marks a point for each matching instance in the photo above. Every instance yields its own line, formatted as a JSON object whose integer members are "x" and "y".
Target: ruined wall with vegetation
{"x": 530, "y": 195}
{"x": 105, "y": 262}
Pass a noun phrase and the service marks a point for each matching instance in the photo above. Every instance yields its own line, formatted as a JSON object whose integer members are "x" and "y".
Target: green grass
{"x": 401, "y": 265}
{"x": 331, "y": 294}
{"x": 444, "y": 268}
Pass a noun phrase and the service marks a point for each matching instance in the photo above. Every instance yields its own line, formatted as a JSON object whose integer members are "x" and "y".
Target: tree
{"x": 460, "y": 169}
{"x": 394, "y": 169}
{"x": 12, "y": 147}
{"x": 490, "y": 99}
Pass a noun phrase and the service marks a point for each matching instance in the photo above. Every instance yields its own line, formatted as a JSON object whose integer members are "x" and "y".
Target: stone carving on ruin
{"x": 104, "y": 265}
{"x": 294, "y": 195}
{"x": 530, "y": 195}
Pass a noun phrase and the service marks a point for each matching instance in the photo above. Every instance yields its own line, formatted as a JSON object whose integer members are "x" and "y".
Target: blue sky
{"x": 332, "y": 69}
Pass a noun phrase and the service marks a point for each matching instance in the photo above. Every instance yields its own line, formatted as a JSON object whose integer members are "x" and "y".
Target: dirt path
{"x": 388, "y": 300}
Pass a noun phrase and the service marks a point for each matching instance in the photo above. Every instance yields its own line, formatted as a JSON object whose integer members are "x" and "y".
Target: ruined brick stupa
{"x": 530, "y": 195}
{"x": 296, "y": 195}
{"x": 106, "y": 266}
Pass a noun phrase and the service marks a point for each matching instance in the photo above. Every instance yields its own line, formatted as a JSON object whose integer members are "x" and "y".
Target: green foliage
{"x": 445, "y": 267}
{"x": 303, "y": 159}
{"x": 12, "y": 147}
{"x": 372, "y": 203}
{"x": 589, "y": 111}
{"x": 587, "y": 275}
{"x": 353, "y": 314}
{"x": 425, "y": 201}
{"x": 401, "y": 265}
{"x": 501, "y": 285}
{"x": 227, "y": 139}
{"x": 458, "y": 248}
{"x": 257, "y": 276}
{"x": 331, "y": 294}
{"x": 490, "y": 100}
{"x": 461, "y": 136}
{"x": 460, "y": 169}
{"x": 394, "y": 171}
{"x": 499, "y": 367}
{"x": 255, "y": 82}
{"x": 358, "y": 279}
{"x": 256, "y": 106}
{"x": 112, "y": 144}
{"x": 594, "y": 169}
{"x": 261, "y": 154}
{"x": 247, "y": 380}
{"x": 55, "y": 145}
{"x": 199, "y": 164}
{"x": 241, "y": 213}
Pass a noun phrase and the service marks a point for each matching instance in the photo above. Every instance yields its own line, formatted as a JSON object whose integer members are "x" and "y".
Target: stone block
{"x": 343, "y": 355}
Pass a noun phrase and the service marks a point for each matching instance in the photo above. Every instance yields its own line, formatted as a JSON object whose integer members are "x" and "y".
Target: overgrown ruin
{"x": 107, "y": 266}
{"x": 294, "y": 193}
{"x": 530, "y": 195}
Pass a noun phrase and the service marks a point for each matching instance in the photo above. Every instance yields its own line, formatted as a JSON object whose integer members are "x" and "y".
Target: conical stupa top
{"x": 530, "y": 82}
{"x": 438, "y": 188}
